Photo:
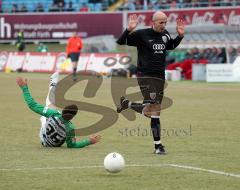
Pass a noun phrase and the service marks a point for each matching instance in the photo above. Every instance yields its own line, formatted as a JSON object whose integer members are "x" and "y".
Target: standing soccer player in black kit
{"x": 152, "y": 44}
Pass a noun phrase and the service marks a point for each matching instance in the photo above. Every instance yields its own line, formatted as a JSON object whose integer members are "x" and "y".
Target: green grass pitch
{"x": 201, "y": 130}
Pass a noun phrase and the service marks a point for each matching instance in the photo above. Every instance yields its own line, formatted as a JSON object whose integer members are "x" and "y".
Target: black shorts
{"x": 74, "y": 56}
{"x": 152, "y": 88}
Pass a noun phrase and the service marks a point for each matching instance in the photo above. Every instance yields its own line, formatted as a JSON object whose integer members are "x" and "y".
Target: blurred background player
{"x": 20, "y": 43}
{"x": 42, "y": 47}
{"x": 152, "y": 44}
{"x": 73, "y": 50}
{"x": 56, "y": 127}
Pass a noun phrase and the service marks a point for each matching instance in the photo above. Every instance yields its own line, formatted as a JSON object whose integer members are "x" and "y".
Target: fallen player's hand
{"x": 21, "y": 82}
{"x": 95, "y": 138}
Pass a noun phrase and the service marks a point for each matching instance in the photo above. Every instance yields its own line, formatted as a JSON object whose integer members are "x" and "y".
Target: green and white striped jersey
{"x": 56, "y": 130}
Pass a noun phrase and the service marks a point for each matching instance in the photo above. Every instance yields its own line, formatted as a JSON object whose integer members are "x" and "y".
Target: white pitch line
{"x": 50, "y": 168}
{"x": 204, "y": 170}
{"x": 130, "y": 165}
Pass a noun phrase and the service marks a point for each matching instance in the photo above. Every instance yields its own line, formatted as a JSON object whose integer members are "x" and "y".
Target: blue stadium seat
{"x": 98, "y": 7}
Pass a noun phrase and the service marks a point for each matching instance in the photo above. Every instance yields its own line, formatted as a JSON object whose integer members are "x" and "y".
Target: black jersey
{"x": 151, "y": 47}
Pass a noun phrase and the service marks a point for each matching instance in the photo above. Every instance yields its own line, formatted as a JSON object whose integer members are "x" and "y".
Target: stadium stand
{"x": 203, "y": 37}
{"x": 177, "y": 4}
{"x": 12, "y": 6}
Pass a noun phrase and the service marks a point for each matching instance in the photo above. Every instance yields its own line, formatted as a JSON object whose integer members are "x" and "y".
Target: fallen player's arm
{"x": 72, "y": 143}
{"x": 34, "y": 106}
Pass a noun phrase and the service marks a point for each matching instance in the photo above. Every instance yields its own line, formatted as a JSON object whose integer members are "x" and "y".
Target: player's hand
{"x": 180, "y": 27}
{"x": 21, "y": 82}
{"x": 133, "y": 22}
{"x": 95, "y": 139}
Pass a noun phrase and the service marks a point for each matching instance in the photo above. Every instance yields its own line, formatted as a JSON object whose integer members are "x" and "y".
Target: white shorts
{"x": 42, "y": 130}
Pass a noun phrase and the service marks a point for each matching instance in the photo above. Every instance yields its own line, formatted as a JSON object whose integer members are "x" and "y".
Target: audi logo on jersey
{"x": 158, "y": 46}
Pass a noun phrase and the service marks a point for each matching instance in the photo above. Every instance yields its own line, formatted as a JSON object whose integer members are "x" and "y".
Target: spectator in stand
{"x": 212, "y": 54}
{"x": 129, "y": 5}
{"x": 207, "y": 53}
{"x": 232, "y": 54}
{"x": 195, "y": 3}
{"x": 1, "y": 7}
{"x": 238, "y": 51}
{"x": 163, "y": 4}
{"x": 53, "y": 8}
{"x": 223, "y": 54}
{"x": 173, "y": 5}
{"x": 39, "y": 8}
{"x": 204, "y": 3}
{"x": 23, "y": 8}
{"x": 193, "y": 53}
{"x": 153, "y": 6}
{"x": 138, "y": 4}
{"x": 225, "y": 3}
{"x": 200, "y": 54}
{"x": 237, "y": 54}
{"x": 84, "y": 8}
{"x": 213, "y": 3}
{"x": 14, "y": 8}
{"x": 69, "y": 6}
{"x": 61, "y": 6}
{"x": 219, "y": 57}
{"x": 59, "y": 3}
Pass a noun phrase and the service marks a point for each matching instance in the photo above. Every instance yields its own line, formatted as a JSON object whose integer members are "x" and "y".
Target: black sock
{"x": 155, "y": 127}
{"x": 137, "y": 107}
{"x": 74, "y": 71}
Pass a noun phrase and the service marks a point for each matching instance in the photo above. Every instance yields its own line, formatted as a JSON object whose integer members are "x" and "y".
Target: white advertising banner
{"x": 102, "y": 63}
{"x": 236, "y": 69}
{"x": 220, "y": 73}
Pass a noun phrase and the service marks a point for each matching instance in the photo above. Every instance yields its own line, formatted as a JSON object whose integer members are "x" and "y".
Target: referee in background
{"x": 152, "y": 44}
{"x": 73, "y": 50}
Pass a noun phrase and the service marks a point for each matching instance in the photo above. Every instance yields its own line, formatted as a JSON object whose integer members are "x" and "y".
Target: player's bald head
{"x": 159, "y": 20}
{"x": 159, "y": 15}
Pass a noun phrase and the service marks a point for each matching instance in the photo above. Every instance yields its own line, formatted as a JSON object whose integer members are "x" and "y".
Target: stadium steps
{"x": 116, "y": 5}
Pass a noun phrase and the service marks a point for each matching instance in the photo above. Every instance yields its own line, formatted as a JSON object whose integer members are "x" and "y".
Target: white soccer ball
{"x": 114, "y": 162}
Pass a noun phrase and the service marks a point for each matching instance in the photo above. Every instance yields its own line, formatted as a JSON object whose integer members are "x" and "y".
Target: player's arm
{"x": 72, "y": 143}
{"x": 173, "y": 43}
{"x": 32, "y": 104}
{"x": 129, "y": 37}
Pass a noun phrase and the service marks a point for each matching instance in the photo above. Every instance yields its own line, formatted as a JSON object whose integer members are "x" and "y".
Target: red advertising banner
{"x": 59, "y": 26}
{"x": 227, "y": 16}
{"x": 54, "y": 26}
